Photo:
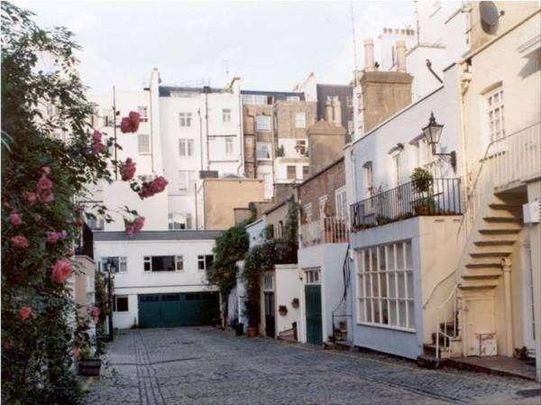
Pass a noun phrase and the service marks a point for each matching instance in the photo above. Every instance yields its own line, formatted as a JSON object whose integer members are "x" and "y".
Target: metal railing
{"x": 443, "y": 197}
{"x": 325, "y": 230}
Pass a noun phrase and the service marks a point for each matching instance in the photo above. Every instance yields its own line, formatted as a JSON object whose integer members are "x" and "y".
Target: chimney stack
{"x": 401, "y": 56}
{"x": 337, "y": 110}
{"x": 368, "y": 55}
{"x": 329, "y": 110}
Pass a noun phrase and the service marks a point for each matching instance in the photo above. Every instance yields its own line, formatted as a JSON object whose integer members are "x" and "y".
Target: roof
{"x": 326, "y": 127}
{"x": 277, "y": 94}
{"x": 309, "y": 179}
{"x": 100, "y": 236}
{"x": 165, "y": 91}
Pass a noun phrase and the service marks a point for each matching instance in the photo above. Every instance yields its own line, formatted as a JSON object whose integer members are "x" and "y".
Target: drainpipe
{"x": 241, "y": 138}
{"x": 506, "y": 267}
{"x": 429, "y": 66}
{"x": 200, "y": 138}
{"x": 206, "y": 90}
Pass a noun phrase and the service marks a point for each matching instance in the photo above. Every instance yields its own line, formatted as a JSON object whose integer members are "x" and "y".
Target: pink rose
{"x": 130, "y": 123}
{"x": 97, "y": 146}
{"x": 37, "y": 218}
{"x": 19, "y": 241}
{"x": 127, "y": 169}
{"x": 155, "y": 186}
{"x": 53, "y": 237}
{"x": 96, "y": 136}
{"x": 129, "y": 228}
{"x": 46, "y": 170}
{"x": 95, "y": 313}
{"x": 24, "y": 313}
{"x": 61, "y": 271}
{"x": 15, "y": 219}
{"x": 30, "y": 198}
{"x": 44, "y": 189}
{"x": 132, "y": 227}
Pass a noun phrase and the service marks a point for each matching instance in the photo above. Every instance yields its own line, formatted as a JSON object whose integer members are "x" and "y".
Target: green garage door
{"x": 180, "y": 309}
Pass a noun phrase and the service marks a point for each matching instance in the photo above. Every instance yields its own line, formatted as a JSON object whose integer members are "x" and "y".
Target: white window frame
{"x": 397, "y": 168}
{"x": 116, "y": 297}
{"x": 263, "y": 150}
{"x": 186, "y": 180}
{"x": 184, "y": 221}
{"x": 308, "y": 212}
{"x": 185, "y": 119}
{"x": 143, "y": 112}
{"x": 202, "y": 259}
{"x": 226, "y": 115}
{"x": 229, "y": 146}
{"x": 263, "y": 123}
{"x": 300, "y": 120}
{"x": 122, "y": 263}
{"x": 495, "y": 114}
{"x": 179, "y": 262}
{"x": 287, "y": 172}
{"x": 385, "y": 285}
{"x": 312, "y": 276}
{"x": 322, "y": 202}
{"x": 268, "y": 281}
{"x": 341, "y": 201}
{"x": 143, "y": 147}
{"x": 185, "y": 147}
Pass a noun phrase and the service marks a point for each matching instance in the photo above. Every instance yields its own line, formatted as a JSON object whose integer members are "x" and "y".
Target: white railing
{"x": 325, "y": 230}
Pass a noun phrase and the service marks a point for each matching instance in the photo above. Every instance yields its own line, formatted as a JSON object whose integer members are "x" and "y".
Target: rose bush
{"x": 50, "y": 156}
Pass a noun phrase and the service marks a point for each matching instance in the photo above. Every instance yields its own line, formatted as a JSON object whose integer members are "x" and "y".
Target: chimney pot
{"x": 368, "y": 55}
{"x": 401, "y": 56}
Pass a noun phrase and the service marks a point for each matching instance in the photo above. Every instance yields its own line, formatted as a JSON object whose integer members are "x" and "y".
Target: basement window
{"x": 120, "y": 304}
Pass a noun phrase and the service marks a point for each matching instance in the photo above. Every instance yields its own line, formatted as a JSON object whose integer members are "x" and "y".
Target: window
{"x": 342, "y": 203}
{"x": 185, "y": 119}
{"x": 300, "y": 147}
{"x": 305, "y": 172}
{"x": 368, "y": 178}
{"x": 495, "y": 114}
{"x": 313, "y": 275}
{"x": 204, "y": 261}
{"x": 186, "y": 180}
{"x": 322, "y": 204}
{"x": 116, "y": 264}
{"x": 300, "y": 120}
{"x": 120, "y": 304}
{"x": 397, "y": 164}
{"x": 263, "y": 150}
{"x": 178, "y": 221}
{"x": 185, "y": 147}
{"x": 268, "y": 284}
{"x": 96, "y": 224}
{"x": 291, "y": 172}
{"x": 228, "y": 146}
{"x": 163, "y": 263}
{"x": 254, "y": 99}
{"x": 226, "y": 115}
{"x": 385, "y": 285}
{"x": 293, "y": 99}
{"x": 308, "y": 212}
{"x": 263, "y": 123}
{"x": 143, "y": 113}
{"x": 143, "y": 144}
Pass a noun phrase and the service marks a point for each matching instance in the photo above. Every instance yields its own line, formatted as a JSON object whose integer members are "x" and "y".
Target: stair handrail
{"x": 467, "y": 209}
{"x": 439, "y": 310}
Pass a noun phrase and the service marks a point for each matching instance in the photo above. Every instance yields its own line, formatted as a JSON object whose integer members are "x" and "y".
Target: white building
{"x": 399, "y": 254}
{"x": 185, "y": 133}
{"x": 159, "y": 277}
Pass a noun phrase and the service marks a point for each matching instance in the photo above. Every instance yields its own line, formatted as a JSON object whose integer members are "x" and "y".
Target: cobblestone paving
{"x": 208, "y": 366}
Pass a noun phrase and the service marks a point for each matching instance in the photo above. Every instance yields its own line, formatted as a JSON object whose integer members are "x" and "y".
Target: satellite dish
{"x": 489, "y": 16}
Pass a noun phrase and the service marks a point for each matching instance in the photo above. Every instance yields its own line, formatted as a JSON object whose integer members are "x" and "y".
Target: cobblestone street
{"x": 207, "y": 366}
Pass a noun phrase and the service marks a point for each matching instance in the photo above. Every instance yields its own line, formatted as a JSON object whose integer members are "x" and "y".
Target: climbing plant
{"x": 230, "y": 247}
{"x": 50, "y": 155}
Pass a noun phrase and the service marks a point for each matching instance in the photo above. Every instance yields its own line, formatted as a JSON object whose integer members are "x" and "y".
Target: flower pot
{"x": 423, "y": 209}
{"x": 90, "y": 367}
{"x": 252, "y": 331}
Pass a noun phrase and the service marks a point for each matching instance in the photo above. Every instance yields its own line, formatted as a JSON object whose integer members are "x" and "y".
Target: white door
{"x": 528, "y": 299}
{"x": 479, "y": 321}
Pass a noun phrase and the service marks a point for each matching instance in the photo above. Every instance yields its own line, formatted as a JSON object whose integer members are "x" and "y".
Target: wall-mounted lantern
{"x": 432, "y": 133}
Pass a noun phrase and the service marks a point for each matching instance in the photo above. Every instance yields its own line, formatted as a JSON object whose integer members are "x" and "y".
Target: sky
{"x": 270, "y": 45}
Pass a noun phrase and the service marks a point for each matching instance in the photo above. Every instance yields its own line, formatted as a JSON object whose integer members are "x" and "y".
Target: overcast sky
{"x": 270, "y": 45}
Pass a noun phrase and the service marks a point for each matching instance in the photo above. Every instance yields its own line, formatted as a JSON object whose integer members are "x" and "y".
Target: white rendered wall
{"x": 288, "y": 286}
{"x": 136, "y": 281}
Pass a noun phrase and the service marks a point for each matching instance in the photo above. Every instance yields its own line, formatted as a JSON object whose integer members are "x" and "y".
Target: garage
{"x": 177, "y": 309}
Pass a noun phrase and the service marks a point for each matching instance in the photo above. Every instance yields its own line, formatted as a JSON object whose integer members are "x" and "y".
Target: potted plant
{"x": 282, "y": 310}
{"x": 422, "y": 180}
{"x": 88, "y": 365}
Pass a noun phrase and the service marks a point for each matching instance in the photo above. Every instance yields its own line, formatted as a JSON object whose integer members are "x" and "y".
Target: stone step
{"x": 505, "y": 213}
{"x": 478, "y": 284}
{"x": 500, "y": 227}
{"x": 482, "y": 273}
{"x": 498, "y": 241}
{"x": 506, "y": 206}
{"x": 502, "y": 220}
{"x": 509, "y": 237}
{"x": 502, "y": 249}
{"x": 484, "y": 262}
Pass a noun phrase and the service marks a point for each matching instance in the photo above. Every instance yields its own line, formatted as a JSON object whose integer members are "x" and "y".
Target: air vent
{"x": 532, "y": 212}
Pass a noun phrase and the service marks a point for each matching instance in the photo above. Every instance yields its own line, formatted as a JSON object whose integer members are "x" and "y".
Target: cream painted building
{"x": 498, "y": 285}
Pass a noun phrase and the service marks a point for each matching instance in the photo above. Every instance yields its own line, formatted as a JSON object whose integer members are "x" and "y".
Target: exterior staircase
{"x": 493, "y": 241}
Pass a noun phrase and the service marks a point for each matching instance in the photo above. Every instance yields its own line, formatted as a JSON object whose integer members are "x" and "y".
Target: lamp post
{"x": 110, "y": 266}
{"x": 432, "y": 133}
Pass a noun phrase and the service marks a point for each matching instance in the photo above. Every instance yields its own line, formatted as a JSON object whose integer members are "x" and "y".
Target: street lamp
{"x": 432, "y": 133}
{"x": 111, "y": 268}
